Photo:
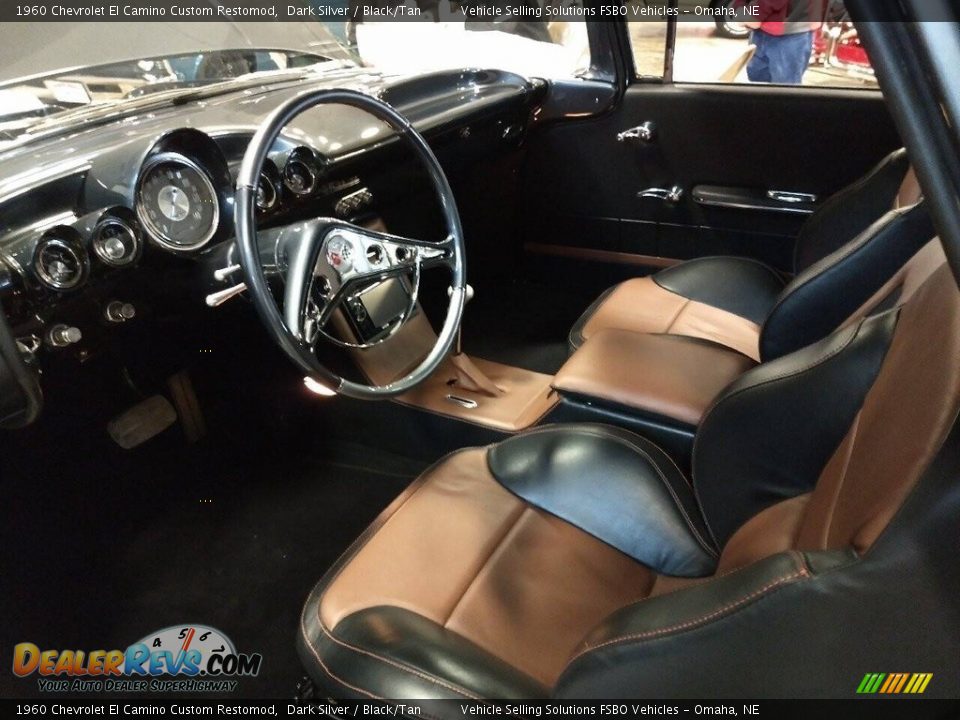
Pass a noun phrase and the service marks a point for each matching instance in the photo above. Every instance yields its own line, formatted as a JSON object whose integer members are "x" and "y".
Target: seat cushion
{"x": 498, "y": 576}
{"x": 480, "y": 581}
{"x": 719, "y": 299}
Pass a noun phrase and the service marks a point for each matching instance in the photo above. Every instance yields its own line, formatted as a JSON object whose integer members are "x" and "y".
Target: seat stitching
{"x": 727, "y": 573}
{"x": 399, "y": 666}
{"x": 316, "y": 655}
{"x": 354, "y": 547}
{"x": 862, "y": 241}
{"x": 801, "y": 573}
{"x": 852, "y": 189}
{"x": 794, "y": 372}
{"x": 340, "y": 680}
{"x": 676, "y": 501}
{"x": 656, "y": 468}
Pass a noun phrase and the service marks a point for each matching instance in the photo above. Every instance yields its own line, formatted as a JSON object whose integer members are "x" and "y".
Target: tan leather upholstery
{"x": 640, "y": 305}
{"x": 770, "y": 531}
{"x": 506, "y": 576}
{"x": 909, "y": 192}
{"x": 527, "y": 587}
{"x": 878, "y": 463}
{"x": 668, "y": 375}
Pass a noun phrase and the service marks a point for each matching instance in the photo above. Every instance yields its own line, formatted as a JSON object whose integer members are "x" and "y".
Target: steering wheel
{"x": 331, "y": 263}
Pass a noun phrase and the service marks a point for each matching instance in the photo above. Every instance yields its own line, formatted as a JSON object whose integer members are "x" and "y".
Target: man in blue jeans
{"x": 783, "y": 35}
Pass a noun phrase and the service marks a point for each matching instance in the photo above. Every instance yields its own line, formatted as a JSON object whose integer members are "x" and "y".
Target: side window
{"x": 648, "y": 41}
{"x": 781, "y": 42}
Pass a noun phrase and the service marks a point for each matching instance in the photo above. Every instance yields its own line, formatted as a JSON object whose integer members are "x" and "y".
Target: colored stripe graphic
{"x": 894, "y": 683}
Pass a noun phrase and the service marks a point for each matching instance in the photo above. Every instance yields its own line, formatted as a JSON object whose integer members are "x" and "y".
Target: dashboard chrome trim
{"x": 153, "y": 232}
{"x": 77, "y": 253}
{"x": 127, "y": 229}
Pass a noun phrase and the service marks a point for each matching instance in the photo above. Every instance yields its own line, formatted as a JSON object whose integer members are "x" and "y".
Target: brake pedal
{"x": 142, "y": 422}
{"x": 188, "y": 406}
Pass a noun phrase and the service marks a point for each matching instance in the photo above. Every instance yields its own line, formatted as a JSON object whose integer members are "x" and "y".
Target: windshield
{"x": 54, "y": 72}
{"x": 47, "y": 71}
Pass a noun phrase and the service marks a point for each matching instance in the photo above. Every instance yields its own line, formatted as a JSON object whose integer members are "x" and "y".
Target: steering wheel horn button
{"x": 340, "y": 254}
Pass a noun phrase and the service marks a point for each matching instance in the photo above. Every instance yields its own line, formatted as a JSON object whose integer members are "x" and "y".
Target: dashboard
{"x": 94, "y": 215}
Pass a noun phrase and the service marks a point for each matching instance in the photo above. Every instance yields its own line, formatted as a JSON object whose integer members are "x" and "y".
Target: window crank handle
{"x": 671, "y": 195}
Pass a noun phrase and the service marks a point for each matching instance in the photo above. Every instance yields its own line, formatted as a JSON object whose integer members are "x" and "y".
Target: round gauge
{"x": 115, "y": 242}
{"x": 177, "y": 202}
{"x": 266, "y": 193}
{"x": 299, "y": 177}
{"x": 59, "y": 263}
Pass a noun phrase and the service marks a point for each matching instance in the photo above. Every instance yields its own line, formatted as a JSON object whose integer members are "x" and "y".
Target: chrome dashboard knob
{"x": 61, "y": 336}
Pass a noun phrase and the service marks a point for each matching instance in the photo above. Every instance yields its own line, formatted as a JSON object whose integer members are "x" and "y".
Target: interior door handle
{"x": 644, "y": 132}
{"x": 787, "y": 196}
{"x": 671, "y": 195}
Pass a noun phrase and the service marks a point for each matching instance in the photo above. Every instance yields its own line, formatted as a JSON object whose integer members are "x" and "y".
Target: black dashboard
{"x": 87, "y": 212}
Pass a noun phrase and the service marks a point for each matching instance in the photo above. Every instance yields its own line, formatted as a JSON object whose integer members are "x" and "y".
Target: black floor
{"x": 106, "y": 546}
{"x": 522, "y": 324}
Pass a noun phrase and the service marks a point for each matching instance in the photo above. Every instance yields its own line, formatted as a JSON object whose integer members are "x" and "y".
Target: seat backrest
{"x": 905, "y": 417}
{"x": 843, "y": 216}
{"x": 822, "y": 296}
{"x": 873, "y": 543}
{"x": 767, "y": 437}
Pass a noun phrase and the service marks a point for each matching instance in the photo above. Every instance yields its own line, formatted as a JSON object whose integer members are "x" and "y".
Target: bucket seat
{"x": 579, "y": 561}
{"x": 847, "y": 249}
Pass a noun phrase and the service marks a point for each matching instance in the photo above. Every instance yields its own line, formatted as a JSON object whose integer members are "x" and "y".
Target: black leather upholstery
{"x": 768, "y": 436}
{"x": 412, "y": 658}
{"x": 845, "y": 252}
{"x": 627, "y": 656}
{"x": 738, "y": 285}
{"x": 806, "y": 637}
{"x": 848, "y": 213}
{"x": 820, "y": 298}
{"x": 639, "y": 502}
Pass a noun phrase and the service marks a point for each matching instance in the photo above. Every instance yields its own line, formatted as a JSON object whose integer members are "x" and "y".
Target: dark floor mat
{"x": 233, "y": 542}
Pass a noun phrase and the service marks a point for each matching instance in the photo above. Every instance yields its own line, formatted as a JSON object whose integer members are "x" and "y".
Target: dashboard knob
{"x": 61, "y": 335}
{"x": 114, "y": 248}
{"x": 118, "y": 312}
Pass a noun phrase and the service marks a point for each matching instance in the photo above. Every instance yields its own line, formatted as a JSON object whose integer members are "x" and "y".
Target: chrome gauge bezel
{"x": 309, "y": 171}
{"x": 73, "y": 249}
{"x": 152, "y": 230}
{"x": 274, "y": 199}
{"x": 128, "y": 230}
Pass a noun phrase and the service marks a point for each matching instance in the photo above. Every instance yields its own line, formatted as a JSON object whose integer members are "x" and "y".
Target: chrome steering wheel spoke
{"x": 347, "y": 259}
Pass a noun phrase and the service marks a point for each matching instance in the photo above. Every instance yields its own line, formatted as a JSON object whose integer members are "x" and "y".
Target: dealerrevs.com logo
{"x": 180, "y": 658}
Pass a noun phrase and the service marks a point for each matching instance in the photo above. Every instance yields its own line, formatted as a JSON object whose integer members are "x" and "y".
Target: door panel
{"x": 581, "y": 184}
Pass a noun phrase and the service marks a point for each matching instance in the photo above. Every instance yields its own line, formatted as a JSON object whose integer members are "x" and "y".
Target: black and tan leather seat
{"x": 814, "y": 542}
{"x": 847, "y": 249}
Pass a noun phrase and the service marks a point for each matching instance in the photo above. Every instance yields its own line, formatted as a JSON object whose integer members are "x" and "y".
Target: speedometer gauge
{"x": 177, "y": 202}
